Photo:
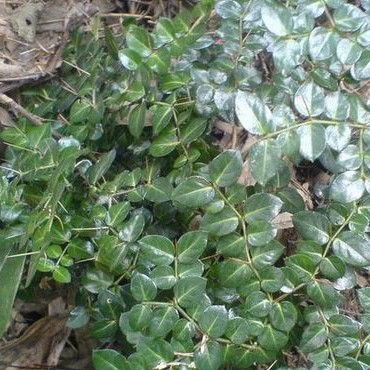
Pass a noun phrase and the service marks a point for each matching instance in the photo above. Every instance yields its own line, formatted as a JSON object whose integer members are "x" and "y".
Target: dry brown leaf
{"x": 283, "y": 221}
{"x": 41, "y": 343}
{"x": 246, "y": 177}
{"x": 33, "y": 35}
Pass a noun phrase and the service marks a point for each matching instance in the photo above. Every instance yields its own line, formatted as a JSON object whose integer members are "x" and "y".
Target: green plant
{"x": 123, "y": 192}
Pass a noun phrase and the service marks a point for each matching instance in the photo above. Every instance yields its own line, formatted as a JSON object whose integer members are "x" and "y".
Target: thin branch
{"x": 16, "y": 108}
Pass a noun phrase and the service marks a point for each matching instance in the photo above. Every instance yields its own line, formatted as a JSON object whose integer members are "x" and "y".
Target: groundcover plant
{"x": 178, "y": 248}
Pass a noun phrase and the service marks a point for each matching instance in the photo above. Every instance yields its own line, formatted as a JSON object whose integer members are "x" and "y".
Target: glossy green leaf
{"x": 80, "y": 110}
{"x": 232, "y": 245}
{"x": 348, "y": 52}
{"x": 97, "y": 170}
{"x": 349, "y": 363}
{"x": 283, "y": 316}
{"x": 287, "y": 55}
{"x": 45, "y": 265}
{"x": 221, "y": 223}
{"x": 322, "y": 43}
{"x": 289, "y": 144}
{"x": 361, "y": 69}
{"x": 309, "y": 100}
{"x": 96, "y": 280}
{"x": 209, "y": 357}
{"x": 347, "y": 187}
{"x": 36, "y": 134}
{"x": 272, "y": 339}
{"x": 226, "y": 168}
{"x": 162, "y": 321}
{"x": 188, "y": 290}
{"x": 78, "y": 318}
{"x": 260, "y": 233}
{"x": 193, "y": 130}
{"x": 267, "y": 255}
{"x": 352, "y": 248}
{"x": 264, "y": 160}
{"x": 213, "y": 321}
{"x": 191, "y": 245}
{"x": 163, "y": 277}
{"x": 195, "y": 191}
{"x": 338, "y": 137}
{"x": 139, "y": 40}
{"x": 110, "y": 304}
{"x": 358, "y": 223}
{"x": 253, "y": 113}
{"x": 292, "y": 200}
{"x": 336, "y": 106}
{"x": 257, "y": 304}
{"x": 312, "y": 140}
{"x": 239, "y": 357}
{"x": 164, "y": 144}
{"x": 10, "y": 213}
{"x": 272, "y": 279}
{"x": 312, "y": 226}
{"x": 136, "y": 120}
{"x": 229, "y": 9}
{"x": 131, "y": 230}
{"x": 10, "y": 276}
{"x": 61, "y": 275}
{"x": 111, "y": 251}
{"x": 164, "y": 31}
{"x": 348, "y": 18}
{"x": 117, "y": 213}
{"x": 314, "y": 336}
{"x": 135, "y": 92}
{"x": 173, "y": 81}
{"x": 322, "y": 294}
{"x": 130, "y": 59}
{"x": 236, "y": 193}
{"x": 160, "y": 61}
{"x": 342, "y": 346}
{"x": 215, "y": 206}
{"x": 104, "y": 329}
{"x": 277, "y": 19}
{"x": 204, "y": 94}
{"x": 54, "y": 251}
{"x": 364, "y": 298}
{"x": 157, "y": 249}
{"x": 190, "y": 269}
{"x": 139, "y": 316}
{"x": 303, "y": 265}
{"x": 262, "y": 207}
{"x": 112, "y": 44}
{"x": 350, "y": 158}
{"x": 161, "y": 118}
{"x": 365, "y": 321}
{"x": 332, "y": 267}
{"x": 342, "y": 325}
{"x": 237, "y": 330}
{"x": 283, "y": 116}
{"x": 337, "y": 213}
{"x": 14, "y": 136}
{"x": 154, "y": 352}
{"x": 184, "y": 329}
{"x": 143, "y": 287}
{"x": 232, "y": 274}
{"x": 160, "y": 190}
{"x": 109, "y": 359}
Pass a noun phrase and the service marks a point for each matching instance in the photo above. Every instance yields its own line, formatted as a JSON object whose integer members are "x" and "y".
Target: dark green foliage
{"x": 178, "y": 264}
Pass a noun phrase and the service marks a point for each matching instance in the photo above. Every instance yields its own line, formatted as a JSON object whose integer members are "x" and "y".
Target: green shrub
{"x": 122, "y": 191}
